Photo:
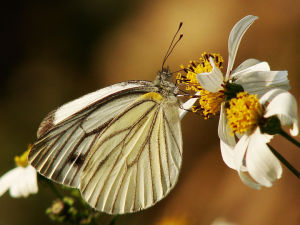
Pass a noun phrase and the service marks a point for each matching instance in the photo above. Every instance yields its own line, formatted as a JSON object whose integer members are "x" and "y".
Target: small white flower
{"x": 253, "y": 75}
{"x": 252, "y": 154}
{"x": 20, "y": 181}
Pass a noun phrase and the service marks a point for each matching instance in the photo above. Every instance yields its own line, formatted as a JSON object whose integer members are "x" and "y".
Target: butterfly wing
{"x": 67, "y": 134}
{"x": 136, "y": 160}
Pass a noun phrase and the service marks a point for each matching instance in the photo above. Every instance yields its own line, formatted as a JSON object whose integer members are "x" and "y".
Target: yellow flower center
{"x": 243, "y": 112}
{"x": 22, "y": 160}
{"x": 189, "y": 79}
{"x": 209, "y": 103}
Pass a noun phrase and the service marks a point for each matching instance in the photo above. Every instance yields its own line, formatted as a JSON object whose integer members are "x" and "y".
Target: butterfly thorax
{"x": 164, "y": 83}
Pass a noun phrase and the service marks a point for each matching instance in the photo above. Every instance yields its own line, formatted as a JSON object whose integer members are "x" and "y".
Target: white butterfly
{"x": 121, "y": 146}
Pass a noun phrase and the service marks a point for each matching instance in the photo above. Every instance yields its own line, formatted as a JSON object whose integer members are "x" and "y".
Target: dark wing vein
{"x": 79, "y": 166}
{"x": 167, "y": 155}
{"x": 45, "y": 169}
{"x": 44, "y": 153}
{"x": 102, "y": 183}
{"x": 67, "y": 149}
{"x": 142, "y": 148}
{"x": 159, "y": 156}
{"x": 171, "y": 131}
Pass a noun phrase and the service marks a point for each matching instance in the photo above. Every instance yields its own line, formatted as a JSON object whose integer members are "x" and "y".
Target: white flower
{"x": 252, "y": 75}
{"x": 252, "y": 153}
{"x": 20, "y": 181}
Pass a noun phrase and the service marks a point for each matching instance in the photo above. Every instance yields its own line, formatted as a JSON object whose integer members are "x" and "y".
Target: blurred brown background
{"x": 55, "y": 51}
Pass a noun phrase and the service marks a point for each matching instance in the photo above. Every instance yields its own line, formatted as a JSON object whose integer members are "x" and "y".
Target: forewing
{"x": 137, "y": 159}
{"x": 68, "y": 134}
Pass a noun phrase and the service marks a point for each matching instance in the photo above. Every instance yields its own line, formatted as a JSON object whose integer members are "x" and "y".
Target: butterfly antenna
{"x": 172, "y": 46}
{"x": 180, "y": 25}
{"x": 171, "y": 50}
{"x": 177, "y": 71}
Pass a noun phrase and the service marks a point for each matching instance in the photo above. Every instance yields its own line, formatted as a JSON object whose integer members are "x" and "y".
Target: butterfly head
{"x": 164, "y": 75}
{"x": 164, "y": 82}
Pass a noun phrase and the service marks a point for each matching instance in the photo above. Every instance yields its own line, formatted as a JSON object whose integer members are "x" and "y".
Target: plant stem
{"x": 54, "y": 189}
{"x": 113, "y": 221}
{"x": 94, "y": 221}
{"x": 50, "y": 185}
{"x": 287, "y": 136}
{"x": 285, "y": 162}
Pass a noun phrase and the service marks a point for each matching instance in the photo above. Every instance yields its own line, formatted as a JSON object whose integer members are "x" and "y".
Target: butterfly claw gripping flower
{"x": 20, "y": 181}
{"x": 252, "y": 154}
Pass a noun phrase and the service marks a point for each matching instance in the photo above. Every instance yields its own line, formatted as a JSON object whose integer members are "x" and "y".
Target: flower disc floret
{"x": 203, "y": 65}
{"x": 209, "y": 103}
{"x": 243, "y": 112}
{"x": 22, "y": 161}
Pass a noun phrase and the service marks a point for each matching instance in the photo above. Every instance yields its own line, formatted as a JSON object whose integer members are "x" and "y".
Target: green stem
{"x": 113, "y": 221}
{"x": 285, "y": 162}
{"x": 287, "y": 136}
{"x": 54, "y": 189}
{"x": 94, "y": 221}
{"x": 50, "y": 185}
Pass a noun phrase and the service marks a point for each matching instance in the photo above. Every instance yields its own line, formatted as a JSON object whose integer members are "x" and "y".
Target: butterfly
{"x": 121, "y": 146}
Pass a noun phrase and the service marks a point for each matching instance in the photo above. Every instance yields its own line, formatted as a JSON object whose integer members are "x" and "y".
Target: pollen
{"x": 209, "y": 103}
{"x": 189, "y": 77}
{"x": 243, "y": 112}
{"x": 22, "y": 160}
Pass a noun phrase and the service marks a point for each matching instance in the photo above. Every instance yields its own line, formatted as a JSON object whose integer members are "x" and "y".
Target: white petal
{"x": 284, "y": 105}
{"x": 32, "y": 181}
{"x": 234, "y": 39}
{"x": 250, "y": 65}
{"x": 227, "y": 141}
{"x": 227, "y": 154}
{"x": 186, "y": 106}
{"x": 24, "y": 182}
{"x": 213, "y": 80}
{"x": 240, "y": 151}
{"x": 16, "y": 187}
{"x": 248, "y": 181}
{"x": 269, "y": 96}
{"x": 19, "y": 187}
{"x": 259, "y": 82}
{"x": 224, "y": 131}
{"x": 261, "y": 163}
{"x": 7, "y": 179}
